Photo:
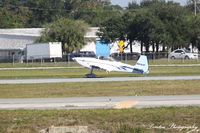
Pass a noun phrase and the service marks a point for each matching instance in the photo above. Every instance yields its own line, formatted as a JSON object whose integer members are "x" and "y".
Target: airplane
{"x": 110, "y": 65}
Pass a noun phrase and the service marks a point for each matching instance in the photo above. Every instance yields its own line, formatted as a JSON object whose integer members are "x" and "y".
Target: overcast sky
{"x": 124, "y": 3}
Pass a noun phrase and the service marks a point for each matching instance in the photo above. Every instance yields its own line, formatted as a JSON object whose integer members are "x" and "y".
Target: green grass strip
{"x": 107, "y": 120}
{"x": 134, "y": 88}
{"x": 80, "y": 72}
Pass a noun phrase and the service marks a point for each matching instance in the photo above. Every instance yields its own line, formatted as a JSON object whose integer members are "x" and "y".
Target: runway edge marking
{"x": 125, "y": 104}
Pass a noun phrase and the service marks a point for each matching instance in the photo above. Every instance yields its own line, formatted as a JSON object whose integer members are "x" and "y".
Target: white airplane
{"x": 110, "y": 65}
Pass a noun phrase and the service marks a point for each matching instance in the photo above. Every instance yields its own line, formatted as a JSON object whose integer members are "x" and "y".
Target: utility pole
{"x": 195, "y": 7}
{"x": 196, "y": 3}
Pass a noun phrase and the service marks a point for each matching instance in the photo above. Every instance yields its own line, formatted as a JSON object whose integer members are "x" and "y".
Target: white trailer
{"x": 44, "y": 50}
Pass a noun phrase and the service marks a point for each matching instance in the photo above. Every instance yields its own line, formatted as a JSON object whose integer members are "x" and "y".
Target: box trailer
{"x": 44, "y": 50}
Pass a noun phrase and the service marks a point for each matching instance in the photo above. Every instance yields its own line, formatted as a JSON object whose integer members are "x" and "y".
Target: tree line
{"x": 153, "y": 23}
{"x": 36, "y": 13}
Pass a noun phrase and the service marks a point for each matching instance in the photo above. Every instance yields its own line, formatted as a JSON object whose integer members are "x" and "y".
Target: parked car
{"x": 68, "y": 57}
{"x": 83, "y": 54}
{"x": 183, "y": 54}
{"x": 125, "y": 56}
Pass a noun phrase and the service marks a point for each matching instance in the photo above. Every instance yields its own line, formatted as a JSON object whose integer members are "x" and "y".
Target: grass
{"x": 69, "y": 64}
{"x": 169, "y": 61}
{"x": 165, "y": 62}
{"x": 80, "y": 72}
{"x": 139, "y": 88}
{"x": 38, "y": 64}
{"x": 41, "y": 73}
{"x": 102, "y": 120}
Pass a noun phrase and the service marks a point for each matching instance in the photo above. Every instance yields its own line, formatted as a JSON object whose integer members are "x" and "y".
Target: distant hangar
{"x": 14, "y": 41}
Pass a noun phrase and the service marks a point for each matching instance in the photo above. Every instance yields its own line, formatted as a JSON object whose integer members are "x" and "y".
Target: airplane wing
{"x": 96, "y": 63}
{"x": 105, "y": 67}
{"x": 140, "y": 67}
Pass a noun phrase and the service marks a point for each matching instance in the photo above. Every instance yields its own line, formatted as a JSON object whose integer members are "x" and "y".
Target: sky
{"x": 124, "y": 3}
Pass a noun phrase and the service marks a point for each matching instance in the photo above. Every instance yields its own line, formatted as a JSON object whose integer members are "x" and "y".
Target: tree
{"x": 194, "y": 31}
{"x": 146, "y": 28}
{"x": 69, "y": 32}
{"x": 162, "y": 24}
{"x": 14, "y": 18}
{"x": 192, "y": 7}
{"x": 131, "y": 34}
{"x": 112, "y": 30}
{"x": 133, "y": 5}
{"x": 150, "y": 3}
{"x": 174, "y": 18}
{"x": 44, "y": 11}
{"x": 95, "y": 12}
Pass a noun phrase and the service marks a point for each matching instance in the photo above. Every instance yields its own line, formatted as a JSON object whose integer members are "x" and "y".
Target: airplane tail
{"x": 142, "y": 65}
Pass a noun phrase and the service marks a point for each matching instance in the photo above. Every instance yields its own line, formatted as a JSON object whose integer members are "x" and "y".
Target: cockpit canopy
{"x": 106, "y": 58}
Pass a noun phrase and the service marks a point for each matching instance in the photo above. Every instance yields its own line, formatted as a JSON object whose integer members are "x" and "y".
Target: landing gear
{"x": 90, "y": 74}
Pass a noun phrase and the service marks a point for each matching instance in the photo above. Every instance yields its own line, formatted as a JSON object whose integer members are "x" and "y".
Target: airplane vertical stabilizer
{"x": 142, "y": 64}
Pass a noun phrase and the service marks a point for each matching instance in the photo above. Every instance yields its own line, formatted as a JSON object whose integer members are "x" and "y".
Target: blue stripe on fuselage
{"x": 134, "y": 70}
{"x": 125, "y": 67}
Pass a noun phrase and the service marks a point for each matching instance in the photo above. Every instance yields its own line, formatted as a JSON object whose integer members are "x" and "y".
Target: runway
{"x": 100, "y": 102}
{"x": 107, "y": 79}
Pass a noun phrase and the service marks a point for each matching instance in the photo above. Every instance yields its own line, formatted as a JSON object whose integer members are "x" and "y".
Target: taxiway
{"x": 100, "y": 102}
{"x": 107, "y": 79}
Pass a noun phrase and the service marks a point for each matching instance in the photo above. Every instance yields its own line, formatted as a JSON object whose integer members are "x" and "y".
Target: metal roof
{"x": 22, "y": 32}
{"x": 18, "y": 38}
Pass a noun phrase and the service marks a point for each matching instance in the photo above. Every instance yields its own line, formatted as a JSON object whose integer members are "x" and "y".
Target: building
{"x": 13, "y": 41}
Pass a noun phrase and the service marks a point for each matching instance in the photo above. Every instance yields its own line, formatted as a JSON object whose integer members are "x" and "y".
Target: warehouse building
{"x": 14, "y": 41}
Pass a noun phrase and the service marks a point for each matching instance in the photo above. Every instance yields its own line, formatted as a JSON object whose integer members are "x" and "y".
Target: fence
{"x": 68, "y": 58}
{"x": 135, "y": 56}
{"x": 150, "y": 56}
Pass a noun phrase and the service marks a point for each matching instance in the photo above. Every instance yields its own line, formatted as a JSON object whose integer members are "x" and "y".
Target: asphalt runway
{"x": 106, "y": 79}
{"x": 100, "y": 102}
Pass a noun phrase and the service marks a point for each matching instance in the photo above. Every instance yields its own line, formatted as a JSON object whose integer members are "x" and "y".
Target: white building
{"x": 13, "y": 41}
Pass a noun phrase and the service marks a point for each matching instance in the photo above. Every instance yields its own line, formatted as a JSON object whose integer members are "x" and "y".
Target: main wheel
{"x": 90, "y": 75}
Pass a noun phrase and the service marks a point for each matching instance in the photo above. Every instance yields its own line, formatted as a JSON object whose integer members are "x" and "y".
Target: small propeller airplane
{"x": 110, "y": 65}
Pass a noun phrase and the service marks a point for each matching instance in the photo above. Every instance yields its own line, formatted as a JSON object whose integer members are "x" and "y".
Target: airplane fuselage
{"x": 108, "y": 65}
